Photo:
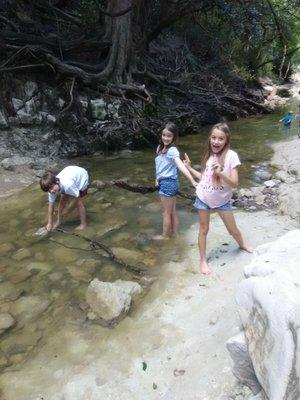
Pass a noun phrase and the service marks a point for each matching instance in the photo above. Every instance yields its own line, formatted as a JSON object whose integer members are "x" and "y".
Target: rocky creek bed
{"x": 173, "y": 345}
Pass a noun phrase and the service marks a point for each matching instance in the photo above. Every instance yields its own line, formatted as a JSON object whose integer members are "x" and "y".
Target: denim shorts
{"x": 168, "y": 187}
{"x": 200, "y": 205}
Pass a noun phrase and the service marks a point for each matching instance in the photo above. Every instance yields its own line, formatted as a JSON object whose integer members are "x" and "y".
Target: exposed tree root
{"x": 97, "y": 245}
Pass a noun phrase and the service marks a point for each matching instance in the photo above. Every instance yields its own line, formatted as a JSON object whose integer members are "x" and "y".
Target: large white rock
{"x": 288, "y": 199}
{"x": 111, "y": 301}
{"x": 287, "y": 156}
{"x": 269, "y": 307}
{"x": 243, "y": 368}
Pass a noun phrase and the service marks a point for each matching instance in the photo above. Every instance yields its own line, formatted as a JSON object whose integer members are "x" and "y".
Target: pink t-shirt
{"x": 217, "y": 194}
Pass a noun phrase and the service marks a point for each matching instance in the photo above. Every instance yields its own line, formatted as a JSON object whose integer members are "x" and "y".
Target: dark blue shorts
{"x": 200, "y": 205}
{"x": 168, "y": 187}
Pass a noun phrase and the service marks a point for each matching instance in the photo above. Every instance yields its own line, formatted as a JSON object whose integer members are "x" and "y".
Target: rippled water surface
{"x": 43, "y": 280}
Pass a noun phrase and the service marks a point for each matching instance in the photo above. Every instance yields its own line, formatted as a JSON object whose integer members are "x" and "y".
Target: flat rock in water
{"x": 21, "y": 254}
{"x": 8, "y": 291}
{"x": 40, "y": 267}
{"x": 29, "y": 308}
{"x": 79, "y": 274}
{"x": 6, "y": 248}
{"x": 6, "y": 321}
{"x": 20, "y": 276}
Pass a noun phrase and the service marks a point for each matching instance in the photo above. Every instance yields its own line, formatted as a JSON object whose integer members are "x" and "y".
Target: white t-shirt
{"x": 72, "y": 180}
{"x": 217, "y": 195}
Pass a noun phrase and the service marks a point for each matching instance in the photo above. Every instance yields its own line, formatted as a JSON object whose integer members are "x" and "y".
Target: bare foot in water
{"x": 247, "y": 248}
{"x": 204, "y": 268}
{"x": 81, "y": 227}
{"x": 160, "y": 237}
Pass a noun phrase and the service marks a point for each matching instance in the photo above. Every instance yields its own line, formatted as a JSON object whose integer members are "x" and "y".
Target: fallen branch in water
{"x": 96, "y": 245}
{"x": 134, "y": 187}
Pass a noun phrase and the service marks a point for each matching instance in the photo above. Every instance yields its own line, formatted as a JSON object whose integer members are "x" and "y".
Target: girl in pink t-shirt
{"x": 219, "y": 174}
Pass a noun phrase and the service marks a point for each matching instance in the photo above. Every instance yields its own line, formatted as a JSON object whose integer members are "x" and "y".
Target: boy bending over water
{"x": 71, "y": 184}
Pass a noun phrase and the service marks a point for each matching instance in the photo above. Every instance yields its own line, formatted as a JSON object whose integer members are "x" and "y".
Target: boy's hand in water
{"x": 186, "y": 161}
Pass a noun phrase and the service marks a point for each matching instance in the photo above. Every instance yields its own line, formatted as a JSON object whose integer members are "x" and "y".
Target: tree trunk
{"x": 119, "y": 32}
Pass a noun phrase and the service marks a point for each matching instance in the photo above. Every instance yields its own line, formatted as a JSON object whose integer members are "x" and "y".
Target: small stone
{"x": 16, "y": 358}
{"x": 178, "y": 372}
{"x": 21, "y": 254}
{"x": 6, "y": 248}
{"x": 213, "y": 319}
{"x": 92, "y": 316}
{"x": 270, "y": 183}
{"x": 20, "y": 276}
{"x": 3, "y": 361}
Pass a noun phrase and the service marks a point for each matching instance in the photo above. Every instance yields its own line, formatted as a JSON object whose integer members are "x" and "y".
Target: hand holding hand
{"x": 194, "y": 183}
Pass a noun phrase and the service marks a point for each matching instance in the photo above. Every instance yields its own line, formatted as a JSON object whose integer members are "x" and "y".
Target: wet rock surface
{"x": 269, "y": 303}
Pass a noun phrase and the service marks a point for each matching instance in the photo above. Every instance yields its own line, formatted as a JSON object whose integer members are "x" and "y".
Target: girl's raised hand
{"x": 216, "y": 165}
{"x": 186, "y": 161}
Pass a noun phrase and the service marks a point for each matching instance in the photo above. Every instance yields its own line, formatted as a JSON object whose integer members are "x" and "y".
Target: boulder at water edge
{"x": 110, "y": 302}
{"x": 269, "y": 307}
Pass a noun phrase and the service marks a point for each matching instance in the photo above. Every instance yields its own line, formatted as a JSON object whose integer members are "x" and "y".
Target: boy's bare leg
{"x": 229, "y": 222}
{"x": 82, "y": 214}
{"x": 204, "y": 217}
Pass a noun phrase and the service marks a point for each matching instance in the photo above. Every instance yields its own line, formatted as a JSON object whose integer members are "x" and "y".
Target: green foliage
{"x": 246, "y": 35}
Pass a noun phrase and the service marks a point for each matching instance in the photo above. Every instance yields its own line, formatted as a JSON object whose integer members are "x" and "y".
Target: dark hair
{"x": 47, "y": 181}
{"x": 173, "y": 128}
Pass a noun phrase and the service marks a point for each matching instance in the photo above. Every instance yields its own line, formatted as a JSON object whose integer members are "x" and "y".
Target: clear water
{"x": 52, "y": 271}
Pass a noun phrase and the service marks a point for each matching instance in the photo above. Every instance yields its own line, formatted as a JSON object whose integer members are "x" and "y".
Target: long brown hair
{"x": 173, "y": 128}
{"x": 208, "y": 152}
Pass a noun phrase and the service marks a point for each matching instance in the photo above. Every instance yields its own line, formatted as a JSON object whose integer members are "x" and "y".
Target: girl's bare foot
{"x": 247, "y": 248}
{"x": 81, "y": 227}
{"x": 204, "y": 268}
{"x": 160, "y": 237}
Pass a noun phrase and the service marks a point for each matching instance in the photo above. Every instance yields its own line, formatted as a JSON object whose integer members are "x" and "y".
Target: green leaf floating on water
{"x": 144, "y": 366}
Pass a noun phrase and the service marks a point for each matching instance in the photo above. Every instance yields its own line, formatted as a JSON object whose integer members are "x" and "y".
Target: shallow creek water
{"x": 43, "y": 280}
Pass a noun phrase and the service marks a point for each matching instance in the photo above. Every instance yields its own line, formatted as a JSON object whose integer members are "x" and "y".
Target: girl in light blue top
{"x": 167, "y": 162}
